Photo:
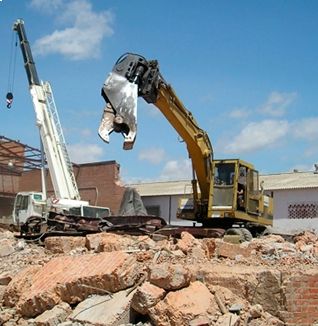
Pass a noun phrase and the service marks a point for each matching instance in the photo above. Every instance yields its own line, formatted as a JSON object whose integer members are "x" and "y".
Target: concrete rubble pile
{"x": 108, "y": 279}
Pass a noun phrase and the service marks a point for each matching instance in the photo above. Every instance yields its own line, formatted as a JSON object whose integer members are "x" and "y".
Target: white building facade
{"x": 295, "y": 198}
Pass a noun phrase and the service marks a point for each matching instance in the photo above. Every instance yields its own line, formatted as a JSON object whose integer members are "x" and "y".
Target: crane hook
{"x": 9, "y": 98}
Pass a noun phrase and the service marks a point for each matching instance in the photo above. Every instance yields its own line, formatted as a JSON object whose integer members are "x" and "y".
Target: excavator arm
{"x": 134, "y": 76}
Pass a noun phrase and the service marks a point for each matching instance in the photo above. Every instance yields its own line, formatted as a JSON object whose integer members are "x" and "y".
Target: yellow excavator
{"x": 225, "y": 192}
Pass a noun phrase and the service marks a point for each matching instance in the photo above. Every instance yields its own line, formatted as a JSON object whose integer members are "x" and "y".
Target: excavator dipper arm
{"x": 134, "y": 76}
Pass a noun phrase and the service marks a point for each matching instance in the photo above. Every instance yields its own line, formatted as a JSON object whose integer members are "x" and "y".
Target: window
{"x": 37, "y": 197}
{"x": 303, "y": 210}
{"x": 224, "y": 173}
{"x": 253, "y": 182}
{"x": 22, "y": 202}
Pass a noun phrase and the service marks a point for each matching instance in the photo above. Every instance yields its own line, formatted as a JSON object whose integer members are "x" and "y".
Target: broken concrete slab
{"x": 60, "y": 245}
{"x": 6, "y": 247}
{"x": 19, "y": 285}
{"x": 200, "y": 321}
{"x": 228, "y": 319}
{"x": 5, "y": 278}
{"x": 182, "y": 306}
{"x": 107, "y": 242}
{"x": 268, "y": 291}
{"x": 54, "y": 316}
{"x": 209, "y": 247}
{"x": 187, "y": 242}
{"x": 169, "y": 277}
{"x": 256, "y": 311}
{"x": 229, "y": 250}
{"x": 104, "y": 310}
{"x": 147, "y": 296}
{"x": 73, "y": 278}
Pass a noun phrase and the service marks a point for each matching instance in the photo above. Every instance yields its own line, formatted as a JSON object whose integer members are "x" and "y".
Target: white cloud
{"x": 84, "y": 34}
{"x": 277, "y": 103}
{"x": 306, "y": 129}
{"x": 152, "y": 155}
{"x": 46, "y": 5}
{"x": 240, "y": 113}
{"x": 257, "y": 135}
{"x": 303, "y": 168}
{"x": 207, "y": 99}
{"x": 311, "y": 151}
{"x": 177, "y": 170}
{"x": 85, "y": 153}
{"x": 86, "y": 132}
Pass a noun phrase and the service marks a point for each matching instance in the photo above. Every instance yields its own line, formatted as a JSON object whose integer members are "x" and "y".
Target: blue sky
{"x": 247, "y": 70}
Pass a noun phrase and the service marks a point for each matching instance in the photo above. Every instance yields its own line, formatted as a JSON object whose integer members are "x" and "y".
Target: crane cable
{"x": 12, "y": 65}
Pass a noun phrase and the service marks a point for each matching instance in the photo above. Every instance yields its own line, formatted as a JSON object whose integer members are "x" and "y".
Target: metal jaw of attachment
{"x": 120, "y": 113}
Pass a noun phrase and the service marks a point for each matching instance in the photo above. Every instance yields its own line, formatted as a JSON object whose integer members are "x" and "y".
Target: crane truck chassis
{"x": 225, "y": 192}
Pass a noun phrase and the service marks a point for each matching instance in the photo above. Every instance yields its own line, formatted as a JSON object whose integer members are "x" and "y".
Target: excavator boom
{"x": 134, "y": 76}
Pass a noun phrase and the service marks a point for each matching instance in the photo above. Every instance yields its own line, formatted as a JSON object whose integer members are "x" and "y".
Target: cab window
{"x": 37, "y": 197}
{"x": 224, "y": 173}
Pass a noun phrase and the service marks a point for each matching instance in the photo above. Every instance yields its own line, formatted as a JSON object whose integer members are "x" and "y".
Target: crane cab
{"x": 26, "y": 205}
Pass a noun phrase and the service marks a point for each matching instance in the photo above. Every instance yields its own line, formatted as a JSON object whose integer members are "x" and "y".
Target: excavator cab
{"x": 237, "y": 193}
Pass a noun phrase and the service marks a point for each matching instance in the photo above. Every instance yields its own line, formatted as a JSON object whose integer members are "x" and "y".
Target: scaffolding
{"x": 16, "y": 157}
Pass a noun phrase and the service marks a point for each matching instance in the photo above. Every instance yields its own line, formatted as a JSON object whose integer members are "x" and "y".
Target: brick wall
{"x": 6, "y": 206}
{"x": 98, "y": 183}
{"x": 301, "y": 299}
{"x": 9, "y": 184}
{"x": 11, "y": 151}
{"x": 290, "y": 296}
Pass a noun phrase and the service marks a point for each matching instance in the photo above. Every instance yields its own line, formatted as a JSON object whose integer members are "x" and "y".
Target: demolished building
{"x": 108, "y": 279}
{"x": 99, "y": 183}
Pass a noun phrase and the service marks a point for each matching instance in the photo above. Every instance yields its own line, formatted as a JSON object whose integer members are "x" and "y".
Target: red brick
{"x": 169, "y": 276}
{"x": 64, "y": 244}
{"x": 187, "y": 242}
{"x": 182, "y": 306}
{"x": 20, "y": 283}
{"x": 146, "y": 297}
{"x": 301, "y": 294}
{"x": 71, "y": 278}
{"x": 230, "y": 250}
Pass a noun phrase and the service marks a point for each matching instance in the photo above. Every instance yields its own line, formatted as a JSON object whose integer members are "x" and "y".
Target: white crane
{"x": 65, "y": 187}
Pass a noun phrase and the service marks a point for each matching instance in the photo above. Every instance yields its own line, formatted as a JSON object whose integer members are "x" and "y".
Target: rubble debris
{"x": 173, "y": 281}
{"x": 62, "y": 278}
{"x": 64, "y": 244}
{"x": 228, "y": 319}
{"x": 169, "y": 276}
{"x": 5, "y": 278}
{"x": 6, "y": 247}
{"x": 104, "y": 310}
{"x": 19, "y": 285}
{"x": 147, "y": 296}
{"x": 229, "y": 250}
{"x": 182, "y": 306}
{"x": 54, "y": 316}
{"x": 256, "y": 311}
